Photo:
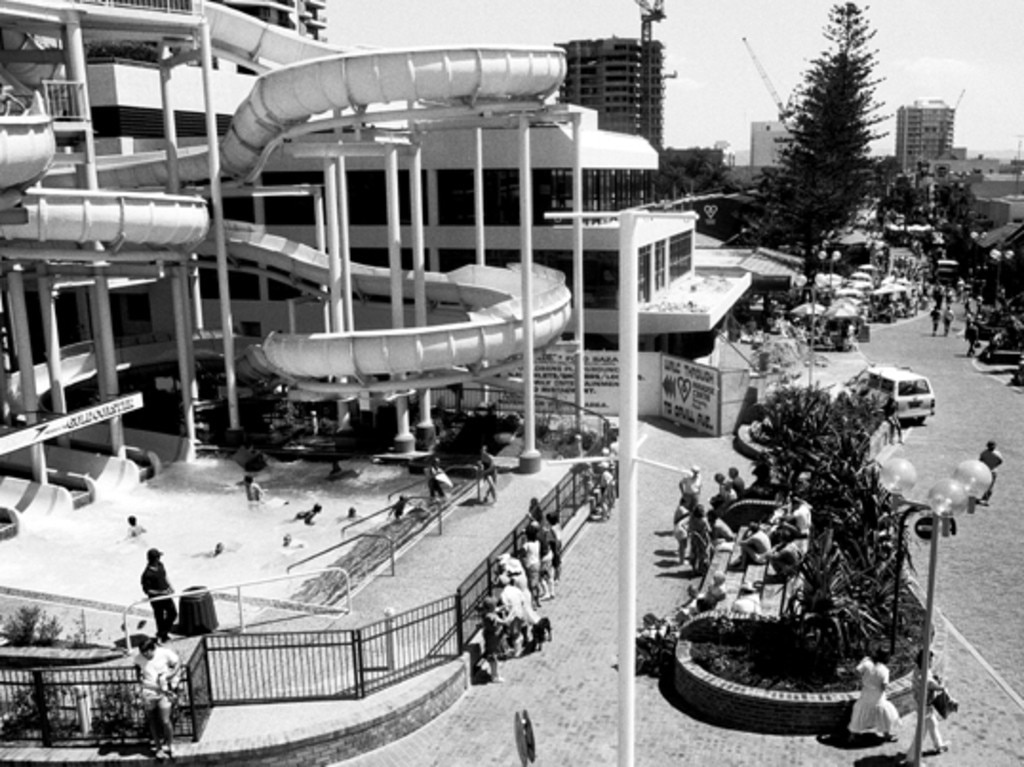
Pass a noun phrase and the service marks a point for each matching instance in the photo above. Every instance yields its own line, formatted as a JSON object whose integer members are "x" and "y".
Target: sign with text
{"x": 554, "y": 375}
{"x": 63, "y": 424}
{"x": 690, "y": 394}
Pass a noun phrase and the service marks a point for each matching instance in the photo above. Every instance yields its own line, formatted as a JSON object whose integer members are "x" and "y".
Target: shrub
{"x": 31, "y": 627}
{"x": 116, "y": 713}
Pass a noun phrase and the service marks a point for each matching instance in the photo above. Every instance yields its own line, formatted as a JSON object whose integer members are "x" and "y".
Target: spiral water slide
{"x": 494, "y": 330}
{"x": 312, "y": 79}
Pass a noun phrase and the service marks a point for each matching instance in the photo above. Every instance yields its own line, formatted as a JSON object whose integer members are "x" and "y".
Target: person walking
{"x": 993, "y": 459}
{"x": 155, "y": 584}
{"x": 936, "y": 316}
{"x": 890, "y": 410}
{"x": 689, "y": 488}
{"x": 874, "y": 713}
{"x": 159, "y": 671}
{"x": 931, "y": 723}
{"x": 489, "y": 474}
{"x": 947, "y": 319}
{"x": 971, "y": 336}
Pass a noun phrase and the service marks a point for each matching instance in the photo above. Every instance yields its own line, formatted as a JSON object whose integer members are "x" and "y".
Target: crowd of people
{"x": 511, "y": 620}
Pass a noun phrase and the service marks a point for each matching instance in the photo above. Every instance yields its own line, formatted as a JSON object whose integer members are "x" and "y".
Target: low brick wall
{"x": 771, "y": 712}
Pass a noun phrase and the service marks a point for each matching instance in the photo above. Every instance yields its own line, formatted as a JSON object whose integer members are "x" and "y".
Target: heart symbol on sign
{"x": 685, "y": 386}
{"x": 710, "y": 211}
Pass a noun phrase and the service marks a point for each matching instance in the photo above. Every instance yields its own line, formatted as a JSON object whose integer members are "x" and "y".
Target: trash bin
{"x": 196, "y": 613}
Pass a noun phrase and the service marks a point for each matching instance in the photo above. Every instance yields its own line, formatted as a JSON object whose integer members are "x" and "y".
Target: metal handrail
{"x": 402, "y": 490}
{"x": 388, "y": 538}
{"x": 238, "y": 591}
{"x": 367, "y": 518}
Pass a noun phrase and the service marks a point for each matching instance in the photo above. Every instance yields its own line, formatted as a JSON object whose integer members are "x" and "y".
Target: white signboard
{"x": 554, "y": 375}
{"x": 690, "y": 394}
{"x": 40, "y": 432}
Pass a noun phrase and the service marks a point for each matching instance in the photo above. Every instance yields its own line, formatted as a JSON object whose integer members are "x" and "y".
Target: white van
{"x": 915, "y": 398}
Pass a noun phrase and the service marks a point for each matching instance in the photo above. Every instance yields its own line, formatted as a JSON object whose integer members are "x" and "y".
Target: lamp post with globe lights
{"x": 832, "y": 259}
{"x": 818, "y": 282}
{"x": 998, "y": 256}
{"x": 945, "y": 498}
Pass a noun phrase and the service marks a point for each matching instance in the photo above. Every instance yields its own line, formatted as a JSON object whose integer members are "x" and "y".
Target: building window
{"x": 452, "y": 258}
{"x": 660, "y": 272}
{"x": 368, "y": 200}
{"x": 455, "y": 206}
{"x": 644, "y": 268}
{"x": 501, "y": 197}
{"x": 281, "y": 291}
{"x": 244, "y": 286}
{"x": 680, "y": 255}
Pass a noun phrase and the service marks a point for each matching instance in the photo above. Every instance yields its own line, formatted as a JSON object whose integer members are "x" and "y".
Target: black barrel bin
{"x": 196, "y": 612}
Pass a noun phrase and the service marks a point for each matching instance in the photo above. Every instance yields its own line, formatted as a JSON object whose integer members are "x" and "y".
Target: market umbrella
{"x": 848, "y": 293}
{"x": 861, "y": 285}
{"x": 842, "y": 311}
{"x": 805, "y": 310}
{"x": 860, "y": 275}
{"x": 887, "y": 290}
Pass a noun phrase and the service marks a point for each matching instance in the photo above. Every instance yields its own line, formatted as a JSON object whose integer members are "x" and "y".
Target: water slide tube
{"x": 294, "y": 93}
{"x": 490, "y": 297}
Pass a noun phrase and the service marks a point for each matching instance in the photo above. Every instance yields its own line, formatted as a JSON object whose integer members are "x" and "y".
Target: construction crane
{"x": 650, "y": 71}
{"x": 783, "y": 111}
{"x": 959, "y": 99}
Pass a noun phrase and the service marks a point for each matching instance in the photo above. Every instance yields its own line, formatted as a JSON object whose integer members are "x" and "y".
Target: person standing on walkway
{"x": 931, "y": 721}
{"x": 739, "y": 486}
{"x": 936, "y": 316}
{"x": 971, "y": 336}
{"x": 253, "y": 492}
{"x": 689, "y": 488}
{"x": 155, "y": 584}
{"x": 874, "y": 713}
{"x": 993, "y": 459}
{"x": 159, "y": 671}
{"x": 890, "y": 410}
{"x": 489, "y": 474}
{"x": 947, "y": 319}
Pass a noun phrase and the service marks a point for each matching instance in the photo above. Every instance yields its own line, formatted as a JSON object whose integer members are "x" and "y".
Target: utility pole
{"x": 651, "y": 83}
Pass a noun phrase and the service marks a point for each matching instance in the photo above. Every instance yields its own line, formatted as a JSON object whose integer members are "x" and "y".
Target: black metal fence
{"x": 75, "y": 706}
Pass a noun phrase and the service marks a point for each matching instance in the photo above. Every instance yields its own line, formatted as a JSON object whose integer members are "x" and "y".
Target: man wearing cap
{"x": 155, "y": 584}
{"x": 689, "y": 488}
{"x": 993, "y": 459}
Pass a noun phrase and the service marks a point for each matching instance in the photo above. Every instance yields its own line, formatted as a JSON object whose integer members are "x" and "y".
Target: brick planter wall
{"x": 776, "y": 713}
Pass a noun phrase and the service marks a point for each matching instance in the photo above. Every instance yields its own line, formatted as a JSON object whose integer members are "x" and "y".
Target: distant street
{"x": 980, "y": 589}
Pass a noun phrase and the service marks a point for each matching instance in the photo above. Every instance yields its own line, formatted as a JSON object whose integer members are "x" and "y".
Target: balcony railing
{"x": 65, "y": 100}
{"x": 188, "y": 7}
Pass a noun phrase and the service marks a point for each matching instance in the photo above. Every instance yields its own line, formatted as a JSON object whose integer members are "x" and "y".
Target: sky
{"x": 947, "y": 49}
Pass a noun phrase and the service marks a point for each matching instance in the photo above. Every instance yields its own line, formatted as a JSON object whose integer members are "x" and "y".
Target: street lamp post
{"x": 819, "y": 282}
{"x": 998, "y": 257}
{"x": 832, "y": 259}
{"x": 946, "y": 497}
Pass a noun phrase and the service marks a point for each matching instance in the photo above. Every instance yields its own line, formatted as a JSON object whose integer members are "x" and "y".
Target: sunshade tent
{"x": 848, "y": 293}
{"x": 860, "y": 275}
{"x": 888, "y": 290}
{"x": 805, "y": 310}
{"x": 842, "y": 311}
{"x": 861, "y": 285}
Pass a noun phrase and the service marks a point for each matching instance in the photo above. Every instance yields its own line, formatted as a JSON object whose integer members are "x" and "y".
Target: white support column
{"x": 197, "y": 299}
{"x": 183, "y": 276}
{"x": 107, "y": 362}
{"x": 404, "y": 440}
{"x": 5, "y": 405}
{"x": 183, "y": 340}
{"x": 529, "y": 460}
{"x": 346, "y": 246}
{"x": 170, "y": 129}
{"x": 478, "y": 197}
{"x": 577, "y": 265}
{"x": 74, "y": 46}
{"x": 629, "y": 339}
{"x": 334, "y": 288}
{"x": 259, "y": 204}
{"x": 220, "y": 238}
{"x": 26, "y": 368}
{"x": 425, "y": 432}
{"x": 291, "y": 315}
{"x": 48, "y": 310}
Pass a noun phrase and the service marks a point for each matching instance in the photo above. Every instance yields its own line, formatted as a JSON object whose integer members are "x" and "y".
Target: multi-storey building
{"x": 620, "y": 79}
{"x": 766, "y": 141}
{"x": 924, "y": 131}
{"x": 307, "y": 17}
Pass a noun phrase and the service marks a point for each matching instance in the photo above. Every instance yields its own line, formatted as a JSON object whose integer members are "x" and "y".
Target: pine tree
{"x": 825, "y": 171}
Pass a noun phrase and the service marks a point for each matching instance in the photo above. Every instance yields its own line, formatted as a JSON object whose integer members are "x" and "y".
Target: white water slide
{"x": 313, "y": 79}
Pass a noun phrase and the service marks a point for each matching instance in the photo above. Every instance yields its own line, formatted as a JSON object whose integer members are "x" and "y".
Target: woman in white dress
{"x": 874, "y": 713}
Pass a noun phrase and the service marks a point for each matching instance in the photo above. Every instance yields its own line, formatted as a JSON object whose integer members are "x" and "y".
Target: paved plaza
{"x": 570, "y": 689}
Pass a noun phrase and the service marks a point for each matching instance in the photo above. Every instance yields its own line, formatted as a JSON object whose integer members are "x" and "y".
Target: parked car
{"x": 913, "y": 392}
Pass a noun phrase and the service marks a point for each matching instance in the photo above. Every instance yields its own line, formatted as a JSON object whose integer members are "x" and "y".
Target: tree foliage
{"x": 825, "y": 172}
{"x": 692, "y": 171}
